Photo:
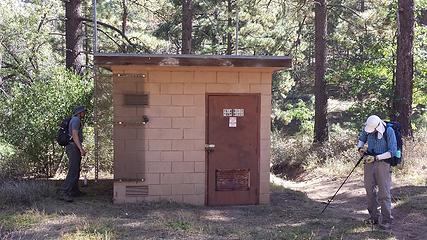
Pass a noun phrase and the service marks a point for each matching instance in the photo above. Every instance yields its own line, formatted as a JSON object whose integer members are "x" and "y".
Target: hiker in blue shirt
{"x": 382, "y": 146}
{"x": 75, "y": 152}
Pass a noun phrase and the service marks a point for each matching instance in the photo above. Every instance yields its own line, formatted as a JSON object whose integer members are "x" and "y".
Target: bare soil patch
{"x": 409, "y": 202}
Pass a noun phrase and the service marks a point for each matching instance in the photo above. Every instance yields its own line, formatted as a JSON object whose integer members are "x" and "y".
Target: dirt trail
{"x": 410, "y": 220}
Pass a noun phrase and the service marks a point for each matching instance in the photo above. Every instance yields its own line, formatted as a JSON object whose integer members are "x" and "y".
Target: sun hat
{"x": 79, "y": 109}
{"x": 375, "y": 123}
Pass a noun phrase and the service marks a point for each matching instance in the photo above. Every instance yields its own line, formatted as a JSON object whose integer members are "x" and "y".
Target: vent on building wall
{"x": 232, "y": 179}
{"x": 136, "y": 99}
{"x": 136, "y": 191}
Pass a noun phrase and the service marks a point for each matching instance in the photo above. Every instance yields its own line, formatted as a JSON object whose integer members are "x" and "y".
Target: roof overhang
{"x": 108, "y": 60}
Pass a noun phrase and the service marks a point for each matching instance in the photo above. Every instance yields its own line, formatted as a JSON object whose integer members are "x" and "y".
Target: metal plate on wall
{"x": 227, "y": 112}
{"x": 136, "y": 99}
{"x": 232, "y": 122}
{"x": 239, "y": 112}
{"x": 232, "y": 179}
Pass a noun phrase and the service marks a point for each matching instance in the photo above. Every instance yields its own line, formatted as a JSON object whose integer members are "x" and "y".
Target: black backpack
{"x": 396, "y": 160}
{"x": 62, "y": 137}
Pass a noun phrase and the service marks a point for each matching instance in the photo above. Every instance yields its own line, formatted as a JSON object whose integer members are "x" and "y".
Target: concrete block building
{"x": 190, "y": 128}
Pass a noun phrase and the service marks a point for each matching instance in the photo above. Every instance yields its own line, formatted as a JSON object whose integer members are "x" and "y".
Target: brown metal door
{"x": 233, "y": 154}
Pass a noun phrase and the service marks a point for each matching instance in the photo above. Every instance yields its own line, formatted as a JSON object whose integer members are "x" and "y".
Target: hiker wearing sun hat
{"x": 75, "y": 152}
{"x": 377, "y": 170}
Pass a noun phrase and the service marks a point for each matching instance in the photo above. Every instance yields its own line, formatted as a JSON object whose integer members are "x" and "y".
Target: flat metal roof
{"x": 188, "y": 60}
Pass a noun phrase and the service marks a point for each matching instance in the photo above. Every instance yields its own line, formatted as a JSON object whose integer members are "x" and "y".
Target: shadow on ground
{"x": 410, "y": 212}
{"x": 291, "y": 215}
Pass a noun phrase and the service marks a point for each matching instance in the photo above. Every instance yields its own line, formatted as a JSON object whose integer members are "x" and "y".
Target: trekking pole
{"x": 330, "y": 200}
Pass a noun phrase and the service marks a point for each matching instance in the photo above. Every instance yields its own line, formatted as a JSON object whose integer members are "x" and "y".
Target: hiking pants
{"x": 71, "y": 184}
{"x": 378, "y": 174}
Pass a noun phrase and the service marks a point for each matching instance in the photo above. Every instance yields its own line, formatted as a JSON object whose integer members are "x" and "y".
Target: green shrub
{"x": 29, "y": 118}
{"x": 294, "y": 118}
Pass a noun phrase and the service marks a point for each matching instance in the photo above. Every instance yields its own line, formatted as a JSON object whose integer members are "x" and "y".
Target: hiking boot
{"x": 385, "y": 226}
{"x": 65, "y": 197}
{"x": 78, "y": 194}
{"x": 370, "y": 221}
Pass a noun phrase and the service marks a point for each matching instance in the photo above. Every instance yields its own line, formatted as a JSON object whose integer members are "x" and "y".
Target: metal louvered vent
{"x": 232, "y": 180}
{"x": 136, "y": 99}
{"x": 136, "y": 191}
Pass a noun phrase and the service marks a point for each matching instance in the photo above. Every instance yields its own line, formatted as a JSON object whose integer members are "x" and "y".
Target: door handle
{"x": 209, "y": 147}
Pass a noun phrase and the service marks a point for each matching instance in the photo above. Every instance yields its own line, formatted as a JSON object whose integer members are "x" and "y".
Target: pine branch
{"x": 112, "y": 39}
{"x": 19, "y": 64}
{"x": 345, "y": 7}
{"x": 112, "y": 28}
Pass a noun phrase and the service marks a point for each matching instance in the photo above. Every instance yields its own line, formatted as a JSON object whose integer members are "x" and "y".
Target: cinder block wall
{"x": 168, "y": 152}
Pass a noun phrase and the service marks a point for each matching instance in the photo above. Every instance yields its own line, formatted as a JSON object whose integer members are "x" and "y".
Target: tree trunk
{"x": 402, "y": 106}
{"x": 1, "y": 64}
{"x": 229, "y": 26}
{"x": 215, "y": 32}
{"x": 362, "y": 5}
{"x": 73, "y": 36}
{"x": 423, "y": 17}
{"x": 124, "y": 16}
{"x": 187, "y": 26}
{"x": 124, "y": 21}
{"x": 87, "y": 38}
{"x": 321, "y": 101}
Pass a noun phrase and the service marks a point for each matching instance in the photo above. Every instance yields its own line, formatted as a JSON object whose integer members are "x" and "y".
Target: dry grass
{"x": 12, "y": 220}
{"x": 338, "y": 156}
{"x": 25, "y": 191}
{"x": 28, "y": 209}
{"x": 291, "y": 215}
{"x": 91, "y": 231}
{"x": 335, "y": 157}
{"x": 415, "y": 167}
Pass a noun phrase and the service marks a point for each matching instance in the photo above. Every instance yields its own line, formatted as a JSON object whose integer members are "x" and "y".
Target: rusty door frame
{"x": 258, "y": 95}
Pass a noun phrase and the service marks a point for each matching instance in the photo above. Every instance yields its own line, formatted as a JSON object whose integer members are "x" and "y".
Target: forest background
{"x": 40, "y": 83}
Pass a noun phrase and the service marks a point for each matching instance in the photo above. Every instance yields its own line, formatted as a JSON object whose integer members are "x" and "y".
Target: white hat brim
{"x": 369, "y": 129}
